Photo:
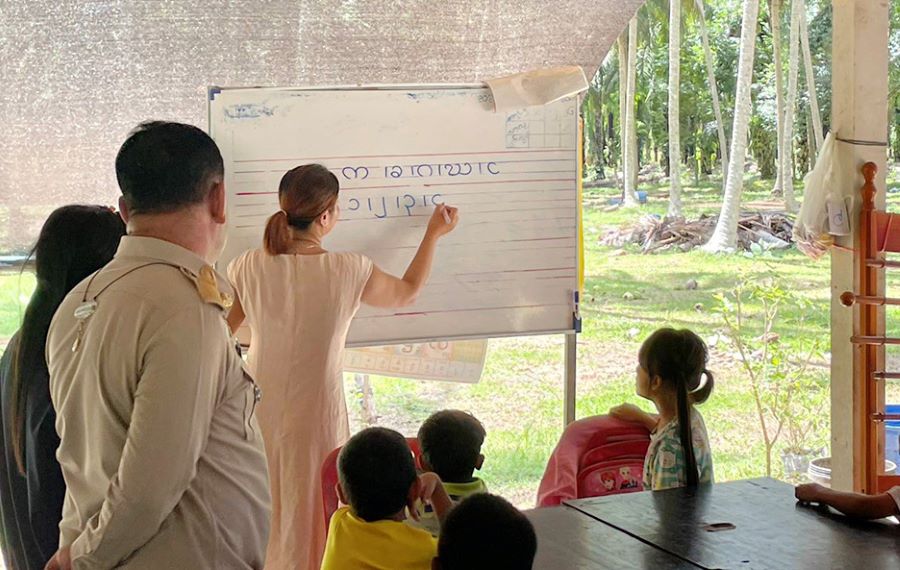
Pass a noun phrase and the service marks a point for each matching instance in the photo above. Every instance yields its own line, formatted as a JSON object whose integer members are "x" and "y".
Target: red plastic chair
{"x": 330, "y": 478}
{"x": 595, "y": 456}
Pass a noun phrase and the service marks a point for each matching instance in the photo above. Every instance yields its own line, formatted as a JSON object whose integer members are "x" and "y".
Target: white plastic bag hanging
{"x": 825, "y": 210}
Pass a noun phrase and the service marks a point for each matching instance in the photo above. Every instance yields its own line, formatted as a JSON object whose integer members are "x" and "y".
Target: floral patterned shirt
{"x": 664, "y": 463}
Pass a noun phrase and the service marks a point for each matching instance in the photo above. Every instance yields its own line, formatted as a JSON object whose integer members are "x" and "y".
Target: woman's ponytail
{"x": 304, "y": 194}
{"x": 277, "y": 237}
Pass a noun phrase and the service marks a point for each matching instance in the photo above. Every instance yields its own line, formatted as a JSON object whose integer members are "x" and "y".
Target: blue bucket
{"x": 892, "y": 435}
{"x": 641, "y": 196}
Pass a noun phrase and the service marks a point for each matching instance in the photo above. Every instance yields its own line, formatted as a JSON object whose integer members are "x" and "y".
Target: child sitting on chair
{"x": 672, "y": 373}
{"x": 377, "y": 478}
{"x": 450, "y": 442}
{"x": 853, "y": 505}
{"x": 485, "y": 532}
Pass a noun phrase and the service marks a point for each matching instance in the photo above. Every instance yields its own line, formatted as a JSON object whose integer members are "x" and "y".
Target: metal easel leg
{"x": 571, "y": 382}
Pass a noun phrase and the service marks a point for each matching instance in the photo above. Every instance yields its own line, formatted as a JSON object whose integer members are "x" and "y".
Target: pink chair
{"x": 330, "y": 478}
{"x": 595, "y": 456}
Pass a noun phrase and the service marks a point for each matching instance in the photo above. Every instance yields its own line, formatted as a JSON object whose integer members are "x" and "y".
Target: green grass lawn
{"x": 627, "y": 296}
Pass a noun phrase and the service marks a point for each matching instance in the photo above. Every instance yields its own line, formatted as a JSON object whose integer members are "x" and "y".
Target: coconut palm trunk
{"x": 724, "y": 237}
{"x": 623, "y": 95}
{"x": 631, "y": 167}
{"x": 713, "y": 90}
{"x": 790, "y": 107}
{"x": 811, "y": 83}
{"x": 775, "y": 21}
{"x": 674, "y": 111}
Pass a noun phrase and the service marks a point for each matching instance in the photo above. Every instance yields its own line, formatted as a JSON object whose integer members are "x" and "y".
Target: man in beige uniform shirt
{"x": 161, "y": 453}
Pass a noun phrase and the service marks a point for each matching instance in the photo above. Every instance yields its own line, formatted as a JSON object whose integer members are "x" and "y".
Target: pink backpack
{"x": 595, "y": 456}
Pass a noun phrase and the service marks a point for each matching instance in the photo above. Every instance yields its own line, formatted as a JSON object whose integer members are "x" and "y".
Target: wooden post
{"x": 859, "y": 108}
{"x": 869, "y": 357}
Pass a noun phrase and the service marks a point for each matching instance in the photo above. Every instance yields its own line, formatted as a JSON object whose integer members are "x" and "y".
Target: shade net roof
{"x": 77, "y": 76}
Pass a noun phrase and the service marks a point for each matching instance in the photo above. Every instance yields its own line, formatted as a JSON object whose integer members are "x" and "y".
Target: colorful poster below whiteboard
{"x": 458, "y": 361}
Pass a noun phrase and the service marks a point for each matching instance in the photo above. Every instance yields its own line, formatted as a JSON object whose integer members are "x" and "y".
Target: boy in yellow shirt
{"x": 377, "y": 478}
{"x": 451, "y": 441}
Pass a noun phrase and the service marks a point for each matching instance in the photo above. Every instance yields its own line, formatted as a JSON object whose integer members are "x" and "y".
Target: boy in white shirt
{"x": 451, "y": 441}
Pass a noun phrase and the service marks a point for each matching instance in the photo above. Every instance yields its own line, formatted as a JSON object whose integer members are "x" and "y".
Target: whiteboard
{"x": 512, "y": 264}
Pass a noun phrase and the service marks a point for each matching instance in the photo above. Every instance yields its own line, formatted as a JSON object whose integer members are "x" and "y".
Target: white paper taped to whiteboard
{"x": 511, "y": 265}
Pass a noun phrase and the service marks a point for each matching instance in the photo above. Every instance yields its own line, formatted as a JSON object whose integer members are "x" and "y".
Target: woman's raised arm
{"x": 385, "y": 290}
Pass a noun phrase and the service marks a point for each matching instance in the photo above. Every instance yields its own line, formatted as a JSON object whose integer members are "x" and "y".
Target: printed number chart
{"x": 458, "y": 361}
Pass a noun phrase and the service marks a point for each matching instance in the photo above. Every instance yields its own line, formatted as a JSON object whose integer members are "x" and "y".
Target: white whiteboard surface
{"x": 511, "y": 265}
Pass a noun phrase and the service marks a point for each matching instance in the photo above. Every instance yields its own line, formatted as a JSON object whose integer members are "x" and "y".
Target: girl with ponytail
{"x": 672, "y": 374}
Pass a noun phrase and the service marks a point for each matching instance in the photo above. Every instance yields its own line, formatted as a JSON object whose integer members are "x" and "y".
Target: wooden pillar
{"x": 859, "y": 109}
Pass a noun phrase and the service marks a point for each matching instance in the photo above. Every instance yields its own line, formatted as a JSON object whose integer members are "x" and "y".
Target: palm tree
{"x": 787, "y": 162}
{"x": 713, "y": 90}
{"x": 724, "y": 236}
{"x": 623, "y": 95}
{"x": 811, "y": 83}
{"x": 674, "y": 111}
{"x": 631, "y": 157}
{"x": 775, "y": 22}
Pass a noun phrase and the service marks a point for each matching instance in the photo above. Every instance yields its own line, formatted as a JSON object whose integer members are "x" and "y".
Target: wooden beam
{"x": 859, "y": 112}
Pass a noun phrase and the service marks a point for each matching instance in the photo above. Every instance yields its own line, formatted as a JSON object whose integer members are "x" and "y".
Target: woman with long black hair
{"x": 75, "y": 242}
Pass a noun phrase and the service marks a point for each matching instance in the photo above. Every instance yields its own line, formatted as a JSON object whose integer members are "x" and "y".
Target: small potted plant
{"x": 805, "y": 422}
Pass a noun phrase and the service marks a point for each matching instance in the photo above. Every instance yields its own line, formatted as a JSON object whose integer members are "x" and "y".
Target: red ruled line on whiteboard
{"x": 500, "y": 181}
{"x": 424, "y": 313}
{"x": 351, "y": 188}
{"x": 542, "y": 150}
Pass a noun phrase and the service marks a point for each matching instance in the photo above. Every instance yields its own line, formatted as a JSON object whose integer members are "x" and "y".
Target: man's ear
{"x": 216, "y": 202}
{"x": 479, "y": 463}
{"x": 123, "y": 210}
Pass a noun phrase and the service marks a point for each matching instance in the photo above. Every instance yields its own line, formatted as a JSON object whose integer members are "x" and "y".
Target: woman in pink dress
{"x": 298, "y": 300}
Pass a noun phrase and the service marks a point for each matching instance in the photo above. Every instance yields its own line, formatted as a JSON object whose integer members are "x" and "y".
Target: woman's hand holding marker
{"x": 443, "y": 220}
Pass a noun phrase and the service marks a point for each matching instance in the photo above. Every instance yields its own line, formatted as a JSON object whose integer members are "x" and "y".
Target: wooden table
{"x": 770, "y": 529}
{"x": 570, "y": 540}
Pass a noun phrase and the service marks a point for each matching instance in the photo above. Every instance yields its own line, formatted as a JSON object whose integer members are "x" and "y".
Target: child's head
{"x": 672, "y": 367}
{"x": 450, "y": 441}
{"x": 486, "y": 532}
{"x": 376, "y": 471}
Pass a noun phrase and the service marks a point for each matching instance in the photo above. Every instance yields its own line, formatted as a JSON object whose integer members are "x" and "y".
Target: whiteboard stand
{"x": 569, "y": 391}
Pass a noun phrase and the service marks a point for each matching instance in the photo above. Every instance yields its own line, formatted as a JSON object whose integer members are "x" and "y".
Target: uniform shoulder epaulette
{"x": 208, "y": 287}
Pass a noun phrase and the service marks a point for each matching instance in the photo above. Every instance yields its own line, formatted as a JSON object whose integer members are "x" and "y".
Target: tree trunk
{"x": 674, "y": 110}
{"x": 787, "y": 164}
{"x": 599, "y": 131}
{"x": 811, "y": 85}
{"x": 366, "y": 399}
{"x": 713, "y": 91}
{"x": 775, "y": 20}
{"x": 724, "y": 236}
{"x": 623, "y": 95}
{"x": 631, "y": 150}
